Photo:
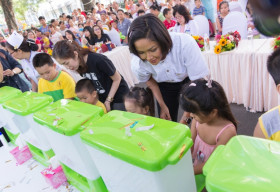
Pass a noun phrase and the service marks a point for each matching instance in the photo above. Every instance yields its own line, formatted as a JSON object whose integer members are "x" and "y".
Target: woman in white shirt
{"x": 185, "y": 23}
{"x": 167, "y": 61}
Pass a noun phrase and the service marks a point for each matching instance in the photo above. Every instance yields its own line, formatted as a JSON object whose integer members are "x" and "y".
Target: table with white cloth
{"x": 120, "y": 56}
{"x": 243, "y": 74}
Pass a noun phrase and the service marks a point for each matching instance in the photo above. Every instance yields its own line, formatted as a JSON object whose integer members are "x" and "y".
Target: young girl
{"x": 224, "y": 11}
{"x": 140, "y": 100}
{"x": 213, "y": 123}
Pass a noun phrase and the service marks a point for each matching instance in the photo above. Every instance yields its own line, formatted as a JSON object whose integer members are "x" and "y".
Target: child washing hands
{"x": 213, "y": 123}
{"x": 140, "y": 100}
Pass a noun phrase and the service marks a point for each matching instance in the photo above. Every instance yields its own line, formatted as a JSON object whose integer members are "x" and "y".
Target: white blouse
{"x": 184, "y": 60}
{"x": 191, "y": 28}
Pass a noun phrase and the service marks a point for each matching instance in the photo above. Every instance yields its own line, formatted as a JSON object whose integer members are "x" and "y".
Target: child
{"x": 140, "y": 100}
{"x": 55, "y": 36}
{"x": 47, "y": 44}
{"x": 269, "y": 123}
{"x": 198, "y": 10}
{"x": 168, "y": 22}
{"x": 213, "y": 123}
{"x": 57, "y": 84}
{"x": 87, "y": 93}
{"x": 224, "y": 11}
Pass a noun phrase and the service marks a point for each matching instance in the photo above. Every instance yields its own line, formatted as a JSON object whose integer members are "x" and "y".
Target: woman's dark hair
{"x": 27, "y": 45}
{"x": 223, "y": 2}
{"x": 150, "y": 27}
{"x": 90, "y": 30}
{"x": 182, "y": 10}
{"x": 65, "y": 50}
{"x": 102, "y": 32}
{"x": 143, "y": 98}
{"x": 197, "y": 98}
{"x": 72, "y": 34}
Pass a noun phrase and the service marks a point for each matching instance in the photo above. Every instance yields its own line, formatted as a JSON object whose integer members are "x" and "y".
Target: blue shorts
{"x": 209, "y": 13}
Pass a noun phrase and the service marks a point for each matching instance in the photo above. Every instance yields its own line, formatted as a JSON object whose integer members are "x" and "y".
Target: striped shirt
{"x": 198, "y": 11}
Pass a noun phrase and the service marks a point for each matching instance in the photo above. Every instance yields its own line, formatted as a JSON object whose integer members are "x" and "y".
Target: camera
{"x": 266, "y": 16}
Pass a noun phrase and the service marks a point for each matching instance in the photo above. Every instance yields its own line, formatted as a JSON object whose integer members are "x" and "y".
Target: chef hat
{"x": 15, "y": 40}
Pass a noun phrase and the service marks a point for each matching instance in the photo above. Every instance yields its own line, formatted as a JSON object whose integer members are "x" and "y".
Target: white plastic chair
{"x": 243, "y": 4}
{"x": 235, "y": 21}
{"x": 203, "y": 25}
{"x": 115, "y": 37}
{"x": 235, "y": 6}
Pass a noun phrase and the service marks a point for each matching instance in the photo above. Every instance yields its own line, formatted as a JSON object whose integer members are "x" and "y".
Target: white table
{"x": 243, "y": 74}
{"x": 21, "y": 178}
{"x": 120, "y": 56}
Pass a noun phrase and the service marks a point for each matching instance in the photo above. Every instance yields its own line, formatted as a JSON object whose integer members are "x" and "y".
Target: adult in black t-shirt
{"x": 108, "y": 82}
{"x": 99, "y": 35}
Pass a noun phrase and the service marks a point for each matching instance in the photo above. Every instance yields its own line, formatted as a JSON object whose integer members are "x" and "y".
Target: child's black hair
{"x": 273, "y": 66}
{"x": 197, "y": 98}
{"x": 42, "y": 59}
{"x": 165, "y": 11}
{"x": 223, "y": 2}
{"x": 85, "y": 84}
{"x": 143, "y": 97}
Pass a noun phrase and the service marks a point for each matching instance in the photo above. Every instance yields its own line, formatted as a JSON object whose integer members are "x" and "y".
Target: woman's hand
{"x": 107, "y": 105}
{"x": 164, "y": 112}
{"x": 8, "y": 72}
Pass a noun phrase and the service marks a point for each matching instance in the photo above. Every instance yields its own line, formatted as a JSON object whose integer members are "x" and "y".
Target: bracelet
{"x": 109, "y": 99}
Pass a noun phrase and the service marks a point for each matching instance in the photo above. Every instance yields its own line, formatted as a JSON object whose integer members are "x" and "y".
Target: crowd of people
{"x": 171, "y": 65}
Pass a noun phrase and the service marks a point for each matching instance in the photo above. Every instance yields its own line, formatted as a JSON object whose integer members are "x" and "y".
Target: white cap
{"x": 15, "y": 40}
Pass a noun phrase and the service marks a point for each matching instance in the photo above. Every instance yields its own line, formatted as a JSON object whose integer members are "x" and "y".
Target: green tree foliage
{"x": 21, "y": 6}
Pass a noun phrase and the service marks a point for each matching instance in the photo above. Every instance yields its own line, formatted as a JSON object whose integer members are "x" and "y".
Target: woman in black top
{"x": 109, "y": 84}
{"x": 100, "y": 36}
{"x": 89, "y": 35}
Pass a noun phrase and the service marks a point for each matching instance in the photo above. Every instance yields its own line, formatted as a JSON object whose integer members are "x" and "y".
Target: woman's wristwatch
{"x": 109, "y": 99}
{"x": 14, "y": 71}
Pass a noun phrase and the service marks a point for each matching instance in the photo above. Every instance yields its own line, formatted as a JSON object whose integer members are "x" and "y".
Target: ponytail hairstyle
{"x": 65, "y": 50}
{"x": 155, "y": 6}
{"x": 202, "y": 97}
{"x": 27, "y": 45}
{"x": 142, "y": 98}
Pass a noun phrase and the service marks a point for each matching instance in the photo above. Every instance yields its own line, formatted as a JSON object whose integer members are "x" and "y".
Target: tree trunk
{"x": 7, "y": 7}
{"x": 88, "y": 4}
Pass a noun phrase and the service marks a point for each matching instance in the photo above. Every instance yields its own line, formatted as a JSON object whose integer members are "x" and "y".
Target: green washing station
{"x": 23, "y": 107}
{"x": 244, "y": 164}
{"x": 140, "y": 153}
{"x": 63, "y": 121}
{"x": 6, "y": 118}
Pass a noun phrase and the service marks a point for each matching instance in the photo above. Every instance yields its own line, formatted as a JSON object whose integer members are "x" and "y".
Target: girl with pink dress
{"x": 213, "y": 123}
